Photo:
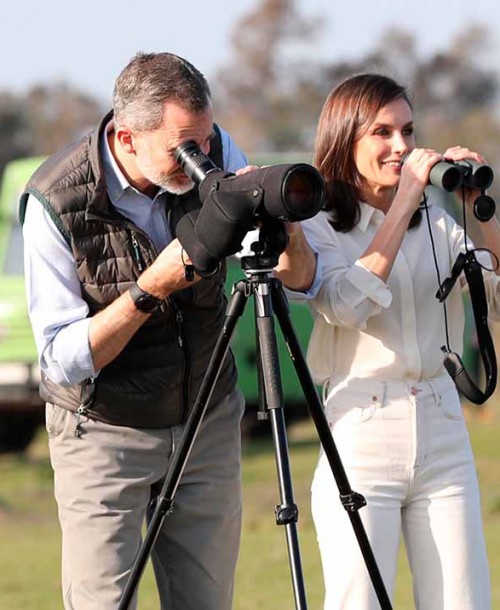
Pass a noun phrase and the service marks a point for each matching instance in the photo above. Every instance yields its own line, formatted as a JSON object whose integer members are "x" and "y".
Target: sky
{"x": 88, "y": 43}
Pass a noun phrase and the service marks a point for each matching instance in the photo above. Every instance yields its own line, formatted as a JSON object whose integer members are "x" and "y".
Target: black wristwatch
{"x": 145, "y": 302}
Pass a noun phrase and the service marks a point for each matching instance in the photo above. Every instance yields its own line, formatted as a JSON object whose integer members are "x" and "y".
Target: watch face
{"x": 143, "y": 300}
{"x": 147, "y": 303}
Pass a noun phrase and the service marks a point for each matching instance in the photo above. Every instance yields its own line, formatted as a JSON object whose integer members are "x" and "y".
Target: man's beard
{"x": 172, "y": 184}
{"x": 176, "y": 184}
{"x": 174, "y": 187}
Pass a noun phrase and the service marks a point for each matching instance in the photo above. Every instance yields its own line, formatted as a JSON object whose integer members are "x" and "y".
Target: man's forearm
{"x": 111, "y": 329}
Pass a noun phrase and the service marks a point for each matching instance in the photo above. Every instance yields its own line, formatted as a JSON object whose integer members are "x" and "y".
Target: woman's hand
{"x": 415, "y": 177}
{"x": 459, "y": 153}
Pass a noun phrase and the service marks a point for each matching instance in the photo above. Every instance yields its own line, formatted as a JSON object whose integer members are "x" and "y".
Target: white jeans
{"x": 406, "y": 449}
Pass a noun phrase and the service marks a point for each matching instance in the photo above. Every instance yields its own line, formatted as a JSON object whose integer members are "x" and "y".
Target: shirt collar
{"x": 116, "y": 183}
{"x": 366, "y": 214}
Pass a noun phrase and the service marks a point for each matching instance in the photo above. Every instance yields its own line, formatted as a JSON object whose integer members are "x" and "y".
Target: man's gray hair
{"x": 150, "y": 80}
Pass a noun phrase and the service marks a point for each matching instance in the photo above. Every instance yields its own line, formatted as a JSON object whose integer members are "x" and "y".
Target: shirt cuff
{"x": 369, "y": 284}
{"x": 69, "y": 360}
{"x": 313, "y": 289}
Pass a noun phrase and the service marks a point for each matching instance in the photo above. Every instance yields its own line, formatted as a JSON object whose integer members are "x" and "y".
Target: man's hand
{"x": 111, "y": 329}
{"x": 247, "y": 169}
{"x": 167, "y": 274}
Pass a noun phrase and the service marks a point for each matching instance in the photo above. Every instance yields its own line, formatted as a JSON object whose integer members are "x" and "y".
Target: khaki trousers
{"x": 104, "y": 481}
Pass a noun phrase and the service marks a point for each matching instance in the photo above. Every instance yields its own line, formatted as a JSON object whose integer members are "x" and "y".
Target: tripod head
{"x": 271, "y": 242}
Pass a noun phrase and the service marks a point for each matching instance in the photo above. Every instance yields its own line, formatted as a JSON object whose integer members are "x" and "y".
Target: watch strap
{"x": 144, "y": 301}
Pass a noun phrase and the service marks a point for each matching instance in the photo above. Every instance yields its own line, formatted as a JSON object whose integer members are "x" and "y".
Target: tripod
{"x": 269, "y": 298}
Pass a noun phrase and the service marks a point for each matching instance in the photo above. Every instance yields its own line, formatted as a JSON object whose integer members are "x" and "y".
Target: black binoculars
{"x": 450, "y": 175}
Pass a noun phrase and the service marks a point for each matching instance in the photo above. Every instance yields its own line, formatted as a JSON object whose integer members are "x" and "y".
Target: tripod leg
{"x": 165, "y": 500}
{"x": 287, "y": 511}
{"x": 351, "y": 500}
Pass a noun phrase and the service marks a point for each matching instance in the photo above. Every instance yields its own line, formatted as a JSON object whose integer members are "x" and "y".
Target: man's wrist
{"x": 143, "y": 300}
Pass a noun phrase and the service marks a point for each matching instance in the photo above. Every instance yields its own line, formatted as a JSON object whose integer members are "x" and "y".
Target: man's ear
{"x": 126, "y": 139}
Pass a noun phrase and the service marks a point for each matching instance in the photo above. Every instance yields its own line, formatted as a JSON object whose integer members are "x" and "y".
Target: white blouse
{"x": 364, "y": 327}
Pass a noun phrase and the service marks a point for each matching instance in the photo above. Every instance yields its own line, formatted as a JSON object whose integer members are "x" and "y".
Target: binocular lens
{"x": 483, "y": 177}
{"x": 445, "y": 176}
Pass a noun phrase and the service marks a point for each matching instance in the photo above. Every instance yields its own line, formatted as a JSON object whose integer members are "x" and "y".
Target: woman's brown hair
{"x": 349, "y": 110}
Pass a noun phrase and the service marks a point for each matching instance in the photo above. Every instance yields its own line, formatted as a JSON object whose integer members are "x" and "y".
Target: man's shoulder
{"x": 67, "y": 167}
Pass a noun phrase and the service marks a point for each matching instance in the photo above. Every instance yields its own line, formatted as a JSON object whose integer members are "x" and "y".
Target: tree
{"x": 254, "y": 91}
{"x": 271, "y": 103}
{"x": 57, "y": 114}
{"x": 44, "y": 119}
{"x": 14, "y": 127}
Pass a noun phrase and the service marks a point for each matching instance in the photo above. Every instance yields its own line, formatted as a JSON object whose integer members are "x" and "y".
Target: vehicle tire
{"x": 17, "y": 430}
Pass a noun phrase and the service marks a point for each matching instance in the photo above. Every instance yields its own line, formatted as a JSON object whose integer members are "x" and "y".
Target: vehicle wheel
{"x": 251, "y": 427}
{"x": 17, "y": 430}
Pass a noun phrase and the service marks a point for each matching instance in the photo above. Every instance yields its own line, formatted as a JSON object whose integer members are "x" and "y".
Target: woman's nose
{"x": 399, "y": 144}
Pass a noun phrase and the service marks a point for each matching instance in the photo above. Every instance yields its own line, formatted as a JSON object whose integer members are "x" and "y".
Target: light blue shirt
{"x": 58, "y": 313}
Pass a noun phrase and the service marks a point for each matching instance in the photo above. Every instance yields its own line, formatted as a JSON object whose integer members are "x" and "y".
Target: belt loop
{"x": 383, "y": 393}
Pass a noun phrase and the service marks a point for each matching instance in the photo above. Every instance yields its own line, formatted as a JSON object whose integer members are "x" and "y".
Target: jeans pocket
{"x": 55, "y": 418}
{"x": 451, "y": 405}
{"x": 351, "y": 405}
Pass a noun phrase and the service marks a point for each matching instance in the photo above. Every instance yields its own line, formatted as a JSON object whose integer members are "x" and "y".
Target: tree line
{"x": 270, "y": 100}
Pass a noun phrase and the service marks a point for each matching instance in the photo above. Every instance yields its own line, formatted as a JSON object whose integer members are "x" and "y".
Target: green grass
{"x": 30, "y": 539}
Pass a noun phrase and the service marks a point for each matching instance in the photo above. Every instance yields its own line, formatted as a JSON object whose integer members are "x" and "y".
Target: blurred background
{"x": 270, "y": 64}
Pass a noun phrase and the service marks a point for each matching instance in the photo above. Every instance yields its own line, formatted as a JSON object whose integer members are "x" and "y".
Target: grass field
{"x": 29, "y": 532}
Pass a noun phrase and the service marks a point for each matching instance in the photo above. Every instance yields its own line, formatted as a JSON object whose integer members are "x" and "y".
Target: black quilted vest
{"x": 154, "y": 381}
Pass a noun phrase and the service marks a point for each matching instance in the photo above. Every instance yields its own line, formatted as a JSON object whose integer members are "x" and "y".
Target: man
{"x": 124, "y": 339}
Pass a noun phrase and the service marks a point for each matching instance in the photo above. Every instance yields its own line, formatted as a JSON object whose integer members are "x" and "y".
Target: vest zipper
{"x": 82, "y": 409}
{"x": 181, "y": 337}
{"x": 178, "y": 319}
{"x": 184, "y": 346}
{"x": 137, "y": 251}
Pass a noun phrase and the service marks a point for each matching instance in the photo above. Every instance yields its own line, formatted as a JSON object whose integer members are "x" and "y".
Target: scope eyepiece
{"x": 193, "y": 161}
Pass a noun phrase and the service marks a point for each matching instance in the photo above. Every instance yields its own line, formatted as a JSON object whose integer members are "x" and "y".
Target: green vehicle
{"x": 21, "y": 409}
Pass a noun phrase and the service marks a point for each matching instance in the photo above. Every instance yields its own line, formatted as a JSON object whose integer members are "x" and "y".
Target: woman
{"x": 394, "y": 412}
